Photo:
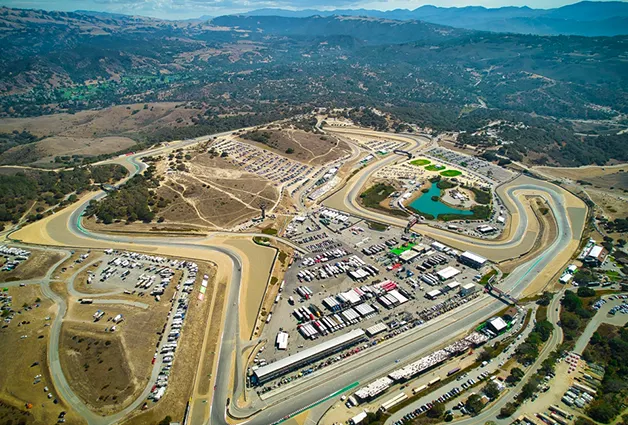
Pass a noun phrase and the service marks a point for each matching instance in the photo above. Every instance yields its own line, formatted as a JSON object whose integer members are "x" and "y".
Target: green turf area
{"x": 451, "y": 173}
{"x": 420, "y": 162}
{"x": 435, "y": 167}
{"x": 401, "y": 249}
{"x": 613, "y": 275}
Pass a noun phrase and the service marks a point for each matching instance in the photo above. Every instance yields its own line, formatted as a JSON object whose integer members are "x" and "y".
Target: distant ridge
{"x": 587, "y": 18}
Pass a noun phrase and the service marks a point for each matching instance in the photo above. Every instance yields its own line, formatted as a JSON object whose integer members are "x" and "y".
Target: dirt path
{"x": 191, "y": 204}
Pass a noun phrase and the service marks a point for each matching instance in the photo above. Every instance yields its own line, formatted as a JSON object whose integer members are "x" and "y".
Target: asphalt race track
{"x": 363, "y": 367}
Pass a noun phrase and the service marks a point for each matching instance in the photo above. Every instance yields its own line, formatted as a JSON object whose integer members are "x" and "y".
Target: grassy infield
{"x": 372, "y": 197}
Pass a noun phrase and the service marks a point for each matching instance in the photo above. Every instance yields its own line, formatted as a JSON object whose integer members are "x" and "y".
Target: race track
{"x": 64, "y": 229}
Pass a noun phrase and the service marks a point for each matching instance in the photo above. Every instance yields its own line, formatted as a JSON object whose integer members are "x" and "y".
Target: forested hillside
{"x": 565, "y": 97}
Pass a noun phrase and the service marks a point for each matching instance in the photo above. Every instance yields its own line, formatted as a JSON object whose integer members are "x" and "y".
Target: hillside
{"x": 587, "y": 18}
{"x": 570, "y": 93}
{"x": 368, "y": 30}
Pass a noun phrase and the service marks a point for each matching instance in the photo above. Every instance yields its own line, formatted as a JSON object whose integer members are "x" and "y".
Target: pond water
{"x": 425, "y": 204}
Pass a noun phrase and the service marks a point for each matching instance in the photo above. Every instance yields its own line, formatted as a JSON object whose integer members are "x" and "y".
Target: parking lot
{"x": 355, "y": 277}
{"x": 484, "y": 168}
{"x": 279, "y": 169}
{"x": 14, "y": 257}
{"x": 146, "y": 274}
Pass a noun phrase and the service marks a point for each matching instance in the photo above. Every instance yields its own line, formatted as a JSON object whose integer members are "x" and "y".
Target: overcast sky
{"x": 182, "y": 9}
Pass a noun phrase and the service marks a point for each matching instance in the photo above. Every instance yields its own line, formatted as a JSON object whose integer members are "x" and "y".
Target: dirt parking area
{"x": 36, "y": 266}
{"x": 108, "y": 369}
{"x": 25, "y": 375}
{"x": 75, "y": 263}
{"x": 183, "y": 374}
{"x": 307, "y": 147}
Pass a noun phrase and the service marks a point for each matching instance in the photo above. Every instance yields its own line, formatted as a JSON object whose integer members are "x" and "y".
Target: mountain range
{"x": 587, "y": 18}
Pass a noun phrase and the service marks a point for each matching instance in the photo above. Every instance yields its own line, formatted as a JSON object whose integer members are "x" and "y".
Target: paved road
{"x": 370, "y": 364}
{"x": 600, "y": 317}
{"x": 552, "y": 343}
{"x": 492, "y": 367}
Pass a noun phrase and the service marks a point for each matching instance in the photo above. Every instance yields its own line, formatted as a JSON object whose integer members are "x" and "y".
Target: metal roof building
{"x": 448, "y": 273}
{"x": 376, "y": 329}
{"x": 497, "y": 324}
{"x": 433, "y": 294}
{"x": 287, "y": 364}
{"x": 472, "y": 260}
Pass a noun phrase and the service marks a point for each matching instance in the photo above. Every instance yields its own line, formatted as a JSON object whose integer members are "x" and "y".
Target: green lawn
{"x": 434, "y": 167}
{"x": 613, "y": 275}
{"x": 451, "y": 173}
{"x": 420, "y": 162}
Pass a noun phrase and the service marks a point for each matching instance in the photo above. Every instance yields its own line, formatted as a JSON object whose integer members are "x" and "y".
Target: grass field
{"x": 23, "y": 347}
{"x": 420, "y": 162}
{"x": 451, "y": 173}
{"x": 36, "y": 266}
{"x": 435, "y": 167}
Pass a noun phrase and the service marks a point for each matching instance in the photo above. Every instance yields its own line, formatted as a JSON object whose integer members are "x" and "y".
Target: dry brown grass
{"x": 316, "y": 149}
{"x": 118, "y": 371}
{"x": 180, "y": 385}
{"x": 215, "y": 194}
{"x": 19, "y": 359}
{"x": 279, "y": 270}
{"x": 36, "y": 266}
{"x": 97, "y": 368}
{"x": 96, "y": 132}
{"x": 212, "y": 342}
{"x": 607, "y": 186}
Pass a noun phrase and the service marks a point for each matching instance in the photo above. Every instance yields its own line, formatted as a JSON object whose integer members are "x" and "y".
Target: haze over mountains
{"x": 584, "y": 18}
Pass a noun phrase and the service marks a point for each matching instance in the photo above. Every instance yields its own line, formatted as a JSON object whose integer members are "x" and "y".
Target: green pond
{"x": 426, "y": 205}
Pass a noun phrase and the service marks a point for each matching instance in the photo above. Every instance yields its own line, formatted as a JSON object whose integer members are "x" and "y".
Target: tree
{"x": 543, "y": 328}
{"x": 585, "y": 292}
{"x": 165, "y": 421}
{"x": 581, "y": 420}
{"x": 491, "y": 390}
{"x": 545, "y": 299}
{"x": 437, "y": 410}
{"x": 601, "y": 411}
{"x": 584, "y": 277}
{"x": 529, "y": 388}
{"x": 508, "y": 410}
{"x": 474, "y": 404}
{"x": 571, "y": 301}
{"x": 486, "y": 354}
{"x": 570, "y": 321}
{"x": 515, "y": 375}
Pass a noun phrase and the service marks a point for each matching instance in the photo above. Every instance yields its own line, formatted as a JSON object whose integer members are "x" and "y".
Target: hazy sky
{"x": 180, "y": 9}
